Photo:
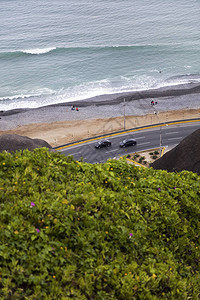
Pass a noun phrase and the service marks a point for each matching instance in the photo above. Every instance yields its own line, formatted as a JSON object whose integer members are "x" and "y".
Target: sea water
{"x": 55, "y": 51}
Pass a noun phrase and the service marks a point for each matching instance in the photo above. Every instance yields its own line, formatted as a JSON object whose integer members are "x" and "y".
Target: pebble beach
{"x": 58, "y": 124}
{"x": 107, "y": 106}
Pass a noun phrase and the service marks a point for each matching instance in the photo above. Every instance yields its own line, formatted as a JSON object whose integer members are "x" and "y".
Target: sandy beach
{"x": 58, "y": 124}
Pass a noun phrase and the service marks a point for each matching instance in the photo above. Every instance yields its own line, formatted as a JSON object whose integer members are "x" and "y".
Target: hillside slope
{"x": 14, "y": 142}
{"x": 71, "y": 230}
{"x": 185, "y": 156}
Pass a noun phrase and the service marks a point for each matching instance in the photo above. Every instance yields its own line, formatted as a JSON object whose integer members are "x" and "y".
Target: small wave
{"x": 27, "y": 96}
{"x": 183, "y": 79}
{"x": 38, "y": 51}
{"x": 77, "y": 48}
{"x": 108, "y": 86}
{"x": 18, "y": 53}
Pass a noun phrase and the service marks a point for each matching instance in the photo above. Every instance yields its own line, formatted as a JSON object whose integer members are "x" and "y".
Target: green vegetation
{"x": 72, "y": 230}
{"x": 138, "y": 158}
{"x": 141, "y": 159}
{"x": 154, "y": 155}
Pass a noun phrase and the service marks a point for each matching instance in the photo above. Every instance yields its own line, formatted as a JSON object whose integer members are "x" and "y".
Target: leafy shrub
{"x": 72, "y": 230}
{"x": 155, "y": 156}
{"x": 156, "y": 152}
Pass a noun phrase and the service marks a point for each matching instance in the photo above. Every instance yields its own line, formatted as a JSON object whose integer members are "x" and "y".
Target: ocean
{"x": 55, "y": 51}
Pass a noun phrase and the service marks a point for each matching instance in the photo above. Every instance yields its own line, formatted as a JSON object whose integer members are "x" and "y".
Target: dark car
{"x": 128, "y": 142}
{"x": 102, "y": 144}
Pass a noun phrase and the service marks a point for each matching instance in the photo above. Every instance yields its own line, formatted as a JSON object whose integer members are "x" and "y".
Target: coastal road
{"x": 168, "y": 135}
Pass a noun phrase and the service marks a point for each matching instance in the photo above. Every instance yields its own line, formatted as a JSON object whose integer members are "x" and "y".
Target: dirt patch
{"x": 145, "y": 158}
{"x": 62, "y": 132}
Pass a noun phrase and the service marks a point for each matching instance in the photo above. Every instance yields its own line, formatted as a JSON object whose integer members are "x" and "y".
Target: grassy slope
{"x": 107, "y": 231}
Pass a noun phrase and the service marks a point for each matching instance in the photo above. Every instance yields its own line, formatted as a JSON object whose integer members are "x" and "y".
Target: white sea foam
{"x": 38, "y": 51}
{"x": 119, "y": 84}
{"x": 129, "y": 50}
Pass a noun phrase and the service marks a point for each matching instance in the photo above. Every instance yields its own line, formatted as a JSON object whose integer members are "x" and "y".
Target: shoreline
{"x": 117, "y": 98}
{"x": 58, "y": 124}
{"x": 62, "y": 132}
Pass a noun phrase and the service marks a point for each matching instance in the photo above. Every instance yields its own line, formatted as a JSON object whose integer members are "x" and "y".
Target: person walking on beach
{"x": 77, "y": 109}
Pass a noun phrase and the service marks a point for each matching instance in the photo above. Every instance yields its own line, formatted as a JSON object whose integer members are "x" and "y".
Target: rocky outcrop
{"x": 185, "y": 156}
{"x": 13, "y": 142}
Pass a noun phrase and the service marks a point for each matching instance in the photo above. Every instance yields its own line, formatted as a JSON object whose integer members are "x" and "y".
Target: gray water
{"x": 60, "y": 51}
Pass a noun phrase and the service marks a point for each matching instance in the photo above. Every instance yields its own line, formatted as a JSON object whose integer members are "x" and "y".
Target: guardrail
{"x": 106, "y": 135}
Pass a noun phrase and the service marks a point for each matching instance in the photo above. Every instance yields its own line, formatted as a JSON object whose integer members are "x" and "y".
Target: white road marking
{"x": 112, "y": 151}
{"x": 140, "y": 137}
{"x": 171, "y": 132}
{"x": 144, "y": 143}
{"x": 176, "y": 138}
{"x": 76, "y": 152}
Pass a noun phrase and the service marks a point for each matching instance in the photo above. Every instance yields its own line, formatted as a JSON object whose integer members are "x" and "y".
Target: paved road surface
{"x": 165, "y": 135}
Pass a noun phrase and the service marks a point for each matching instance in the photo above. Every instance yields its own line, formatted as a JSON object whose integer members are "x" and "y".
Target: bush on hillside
{"x": 72, "y": 230}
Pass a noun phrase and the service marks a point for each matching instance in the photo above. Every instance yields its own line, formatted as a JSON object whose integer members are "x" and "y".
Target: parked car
{"x": 128, "y": 142}
{"x": 102, "y": 144}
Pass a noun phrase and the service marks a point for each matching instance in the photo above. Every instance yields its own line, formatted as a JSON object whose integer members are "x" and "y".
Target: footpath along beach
{"x": 58, "y": 124}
